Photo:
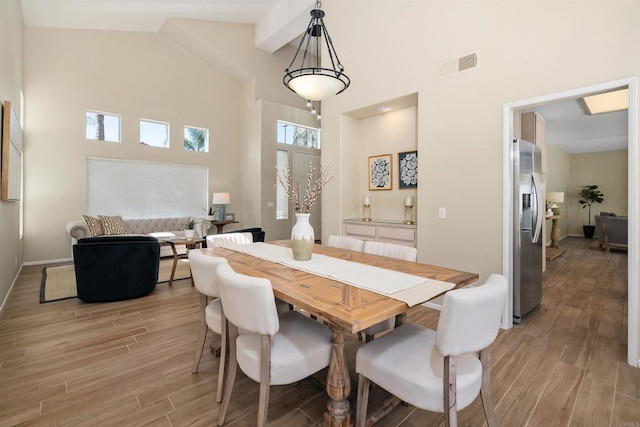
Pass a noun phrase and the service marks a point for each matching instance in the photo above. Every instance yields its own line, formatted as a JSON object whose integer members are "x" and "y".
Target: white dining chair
{"x": 271, "y": 350}
{"x": 391, "y": 250}
{"x": 217, "y": 240}
{"x": 345, "y": 242}
{"x": 203, "y": 272}
{"x": 438, "y": 370}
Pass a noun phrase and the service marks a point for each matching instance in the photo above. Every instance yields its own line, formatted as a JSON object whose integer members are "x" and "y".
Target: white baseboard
{"x": 48, "y": 261}
{"x": 6, "y": 297}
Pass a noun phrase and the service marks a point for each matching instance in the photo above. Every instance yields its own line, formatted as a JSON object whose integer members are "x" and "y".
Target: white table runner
{"x": 408, "y": 288}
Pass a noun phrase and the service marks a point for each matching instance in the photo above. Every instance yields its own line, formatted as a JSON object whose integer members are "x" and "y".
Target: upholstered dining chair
{"x": 217, "y": 240}
{"x": 438, "y": 370}
{"x": 203, "y": 271}
{"x": 271, "y": 350}
{"x": 391, "y": 250}
{"x": 345, "y": 242}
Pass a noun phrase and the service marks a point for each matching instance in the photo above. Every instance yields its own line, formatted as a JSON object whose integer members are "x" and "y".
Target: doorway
{"x": 508, "y": 135}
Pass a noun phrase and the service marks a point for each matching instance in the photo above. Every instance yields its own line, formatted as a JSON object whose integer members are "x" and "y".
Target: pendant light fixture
{"x": 309, "y": 79}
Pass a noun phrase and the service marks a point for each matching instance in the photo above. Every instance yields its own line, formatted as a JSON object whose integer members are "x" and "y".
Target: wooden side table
{"x": 220, "y": 224}
{"x": 194, "y": 243}
{"x": 555, "y": 230}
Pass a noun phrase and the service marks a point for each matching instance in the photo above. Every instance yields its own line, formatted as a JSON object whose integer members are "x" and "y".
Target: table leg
{"x": 338, "y": 384}
{"x": 175, "y": 263}
{"x": 219, "y": 228}
{"x": 555, "y": 233}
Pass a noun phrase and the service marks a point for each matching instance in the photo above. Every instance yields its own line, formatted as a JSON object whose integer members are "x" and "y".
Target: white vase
{"x": 302, "y": 238}
{"x": 189, "y": 234}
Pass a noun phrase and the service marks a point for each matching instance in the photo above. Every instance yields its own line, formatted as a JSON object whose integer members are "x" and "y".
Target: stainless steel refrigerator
{"x": 528, "y": 215}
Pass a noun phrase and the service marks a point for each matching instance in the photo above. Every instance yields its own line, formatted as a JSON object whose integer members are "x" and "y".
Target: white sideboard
{"x": 381, "y": 230}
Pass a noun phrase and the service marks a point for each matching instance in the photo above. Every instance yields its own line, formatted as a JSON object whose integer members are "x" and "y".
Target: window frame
{"x": 104, "y": 113}
{"x": 157, "y": 122}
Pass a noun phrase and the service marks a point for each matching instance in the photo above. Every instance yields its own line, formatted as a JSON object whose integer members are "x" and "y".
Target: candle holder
{"x": 408, "y": 215}
{"x": 408, "y": 210}
{"x": 366, "y": 209}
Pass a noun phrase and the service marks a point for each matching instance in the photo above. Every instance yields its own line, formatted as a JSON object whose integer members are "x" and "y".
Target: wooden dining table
{"x": 344, "y": 308}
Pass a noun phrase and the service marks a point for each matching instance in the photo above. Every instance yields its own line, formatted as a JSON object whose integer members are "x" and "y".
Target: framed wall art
{"x": 408, "y": 169}
{"x": 380, "y": 177}
{"x": 11, "y": 154}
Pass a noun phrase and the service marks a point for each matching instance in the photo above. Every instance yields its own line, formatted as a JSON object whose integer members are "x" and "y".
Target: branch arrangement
{"x": 302, "y": 203}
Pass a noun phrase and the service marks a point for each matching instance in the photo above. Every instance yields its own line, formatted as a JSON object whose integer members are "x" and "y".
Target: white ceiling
{"x": 139, "y": 15}
{"x": 570, "y": 128}
{"x": 277, "y": 21}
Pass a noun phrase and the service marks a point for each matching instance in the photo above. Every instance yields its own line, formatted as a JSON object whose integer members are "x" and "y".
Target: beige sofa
{"x": 612, "y": 231}
{"x": 157, "y": 227}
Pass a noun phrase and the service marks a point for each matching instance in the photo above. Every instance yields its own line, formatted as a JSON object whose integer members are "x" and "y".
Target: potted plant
{"x": 190, "y": 229}
{"x": 588, "y": 196}
{"x": 210, "y": 213}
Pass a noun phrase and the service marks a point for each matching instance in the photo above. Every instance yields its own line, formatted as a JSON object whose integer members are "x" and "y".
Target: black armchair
{"x": 114, "y": 268}
{"x": 258, "y": 233}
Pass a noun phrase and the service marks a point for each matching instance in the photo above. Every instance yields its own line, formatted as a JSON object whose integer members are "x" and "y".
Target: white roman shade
{"x": 140, "y": 189}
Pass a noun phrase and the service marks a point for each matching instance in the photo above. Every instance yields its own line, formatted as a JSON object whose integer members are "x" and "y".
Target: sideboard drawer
{"x": 404, "y": 234}
{"x": 360, "y": 230}
{"x": 382, "y": 230}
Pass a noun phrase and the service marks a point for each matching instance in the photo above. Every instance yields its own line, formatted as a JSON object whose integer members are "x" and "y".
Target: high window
{"x": 154, "y": 133}
{"x": 102, "y": 126}
{"x": 302, "y": 136}
{"x": 196, "y": 139}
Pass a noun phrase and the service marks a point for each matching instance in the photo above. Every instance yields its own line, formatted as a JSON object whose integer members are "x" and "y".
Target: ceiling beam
{"x": 282, "y": 23}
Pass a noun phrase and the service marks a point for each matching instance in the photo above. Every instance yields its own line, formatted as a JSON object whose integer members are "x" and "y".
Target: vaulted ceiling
{"x": 278, "y": 22}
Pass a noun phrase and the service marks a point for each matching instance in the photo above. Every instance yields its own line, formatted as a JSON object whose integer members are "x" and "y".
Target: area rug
{"x": 59, "y": 282}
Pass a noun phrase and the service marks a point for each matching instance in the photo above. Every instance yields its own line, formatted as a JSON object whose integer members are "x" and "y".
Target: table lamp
{"x": 555, "y": 197}
{"x": 366, "y": 209}
{"x": 220, "y": 199}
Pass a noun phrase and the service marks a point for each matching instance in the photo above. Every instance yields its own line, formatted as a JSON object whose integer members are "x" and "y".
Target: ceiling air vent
{"x": 459, "y": 65}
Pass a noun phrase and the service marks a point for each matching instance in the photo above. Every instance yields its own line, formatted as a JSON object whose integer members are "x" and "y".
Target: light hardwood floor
{"x": 129, "y": 362}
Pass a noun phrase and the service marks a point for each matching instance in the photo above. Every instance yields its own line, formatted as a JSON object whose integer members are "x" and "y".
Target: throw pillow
{"x": 94, "y": 224}
{"x": 112, "y": 225}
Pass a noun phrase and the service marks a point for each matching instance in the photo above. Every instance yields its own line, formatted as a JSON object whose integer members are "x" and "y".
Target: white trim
{"x": 6, "y": 297}
{"x": 632, "y": 273}
{"x": 507, "y": 211}
{"x": 48, "y": 261}
{"x": 633, "y": 161}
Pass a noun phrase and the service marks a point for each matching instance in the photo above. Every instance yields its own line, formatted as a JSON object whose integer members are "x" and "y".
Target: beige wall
{"x": 525, "y": 50}
{"x": 11, "y": 82}
{"x": 191, "y": 73}
{"x": 557, "y": 179}
{"x": 460, "y": 121}
{"x": 137, "y": 75}
{"x": 570, "y": 172}
{"x": 607, "y": 170}
{"x": 390, "y": 133}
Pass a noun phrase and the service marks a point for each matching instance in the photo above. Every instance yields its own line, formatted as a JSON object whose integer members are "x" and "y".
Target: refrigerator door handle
{"x": 538, "y": 215}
